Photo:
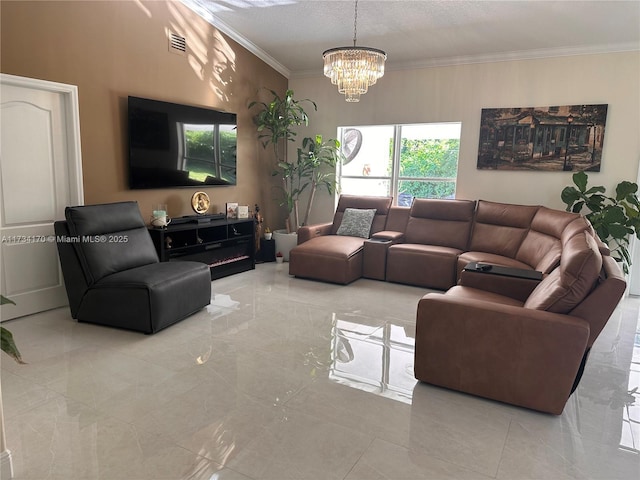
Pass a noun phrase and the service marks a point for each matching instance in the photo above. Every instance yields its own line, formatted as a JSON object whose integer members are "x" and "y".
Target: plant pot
{"x": 267, "y": 236}
{"x": 279, "y": 259}
{"x": 285, "y": 242}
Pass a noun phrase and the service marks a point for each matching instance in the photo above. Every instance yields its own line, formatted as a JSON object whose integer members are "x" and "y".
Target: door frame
{"x": 68, "y": 95}
{"x": 72, "y": 113}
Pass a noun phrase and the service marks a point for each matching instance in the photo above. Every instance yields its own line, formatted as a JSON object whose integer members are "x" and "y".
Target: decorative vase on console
{"x": 159, "y": 217}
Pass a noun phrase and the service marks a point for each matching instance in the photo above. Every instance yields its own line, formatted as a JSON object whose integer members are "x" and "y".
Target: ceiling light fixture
{"x": 354, "y": 69}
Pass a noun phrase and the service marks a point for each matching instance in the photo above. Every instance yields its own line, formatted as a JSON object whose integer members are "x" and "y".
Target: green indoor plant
{"x": 317, "y": 161}
{"x": 613, "y": 218}
{"x": 8, "y": 344}
{"x": 314, "y": 164}
{"x": 276, "y": 122}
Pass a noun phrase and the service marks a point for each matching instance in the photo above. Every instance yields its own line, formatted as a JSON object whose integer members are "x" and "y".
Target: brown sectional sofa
{"x": 519, "y": 332}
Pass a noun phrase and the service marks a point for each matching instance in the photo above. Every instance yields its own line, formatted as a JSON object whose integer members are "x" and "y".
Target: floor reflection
{"x": 630, "y": 435}
{"x": 221, "y": 305}
{"x": 378, "y": 361}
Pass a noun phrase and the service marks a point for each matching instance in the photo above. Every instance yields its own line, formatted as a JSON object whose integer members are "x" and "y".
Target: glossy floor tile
{"x": 282, "y": 378}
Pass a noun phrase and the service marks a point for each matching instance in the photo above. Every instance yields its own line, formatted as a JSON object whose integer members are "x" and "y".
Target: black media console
{"x": 201, "y": 219}
{"x": 227, "y": 246}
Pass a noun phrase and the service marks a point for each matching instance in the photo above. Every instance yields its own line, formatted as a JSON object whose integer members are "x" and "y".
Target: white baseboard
{"x": 6, "y": 467}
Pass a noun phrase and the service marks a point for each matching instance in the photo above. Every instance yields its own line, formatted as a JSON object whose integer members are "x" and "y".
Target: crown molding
{"x": 519, "y": 55}
{"x": 495, "y": 57}
{"x": 235, "y": 36}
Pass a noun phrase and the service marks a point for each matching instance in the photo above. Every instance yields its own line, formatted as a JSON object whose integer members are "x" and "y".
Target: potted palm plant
{"x": 614, "y": 219}
{"x": 313, "y": 167}
{"x": 276, "y": 122}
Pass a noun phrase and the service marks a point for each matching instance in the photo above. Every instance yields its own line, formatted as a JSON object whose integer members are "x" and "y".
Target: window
{"x": 404, "y": 161}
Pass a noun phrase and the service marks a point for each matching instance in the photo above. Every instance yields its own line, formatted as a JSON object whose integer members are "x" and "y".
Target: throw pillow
{"x": 356, "y": 222}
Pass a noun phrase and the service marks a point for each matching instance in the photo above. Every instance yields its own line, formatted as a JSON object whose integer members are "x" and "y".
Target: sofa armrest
{"x": 394, "y": 237}
{"x": 75, "y": 280}
{"x": 501, "y": 280}
{"x": 308, "y": 232}
{"x": 374, "y": 258}
{"x": 374, "y": 264}
{"x": 508, "y": 353}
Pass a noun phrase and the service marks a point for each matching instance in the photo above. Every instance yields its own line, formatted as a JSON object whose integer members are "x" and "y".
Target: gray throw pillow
{"x": 356, "y": 222}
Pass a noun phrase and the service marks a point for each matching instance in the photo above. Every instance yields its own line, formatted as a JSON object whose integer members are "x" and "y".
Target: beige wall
{"x": 114, "y": 49}
{"x": 458, "y": 93}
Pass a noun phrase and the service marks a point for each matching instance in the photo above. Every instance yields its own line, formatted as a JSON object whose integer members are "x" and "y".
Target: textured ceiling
{"x": 292, "y": 34}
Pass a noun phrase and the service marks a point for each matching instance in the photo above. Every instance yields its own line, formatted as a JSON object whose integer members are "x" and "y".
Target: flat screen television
{"x": 173, "y": 145}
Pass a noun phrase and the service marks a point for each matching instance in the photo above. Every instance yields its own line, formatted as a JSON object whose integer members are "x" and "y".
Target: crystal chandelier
{"x": 354, "y": 69}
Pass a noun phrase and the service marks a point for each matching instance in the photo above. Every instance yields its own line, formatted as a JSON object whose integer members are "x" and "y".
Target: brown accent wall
{"x": 114, "y": 49}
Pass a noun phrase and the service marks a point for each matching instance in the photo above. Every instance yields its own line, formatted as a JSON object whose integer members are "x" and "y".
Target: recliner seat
{"x": 437, "y": 232}
{"x": 113, "y": 276}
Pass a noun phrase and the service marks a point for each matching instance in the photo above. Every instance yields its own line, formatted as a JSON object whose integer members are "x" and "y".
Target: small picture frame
{"x": 243, "y": 211}
{"x": 232, "y": 210}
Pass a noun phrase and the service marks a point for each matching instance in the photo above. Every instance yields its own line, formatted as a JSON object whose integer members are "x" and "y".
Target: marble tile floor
{"x": 282, "y": 378}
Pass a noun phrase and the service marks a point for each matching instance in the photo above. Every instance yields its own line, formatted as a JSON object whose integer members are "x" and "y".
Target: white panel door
{"x": 39, "y": 163}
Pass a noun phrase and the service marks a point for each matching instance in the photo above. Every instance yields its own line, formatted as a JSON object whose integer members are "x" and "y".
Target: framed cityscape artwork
{"x": 560, "y": 138}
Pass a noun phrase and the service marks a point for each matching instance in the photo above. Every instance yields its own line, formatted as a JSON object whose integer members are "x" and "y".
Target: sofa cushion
{"x": 330, "y": 258}
{"x": 397, "y": 219}
{"x": 111, "y": 238}
{"x": 569, "y": 284}
{"x": 440, "y": 222}
{"x": 330, "y": 246}
{"x": 541, "y": 247}
{"x": 148, "y": 298}
{"x": 500, "y": 228}
{"x": 430, "y": 266}
{"x": 356, "y": 222}
{"x": 539, "y": 251}
{"x": 475, "y": 294}
{"x": 579, "y": 225}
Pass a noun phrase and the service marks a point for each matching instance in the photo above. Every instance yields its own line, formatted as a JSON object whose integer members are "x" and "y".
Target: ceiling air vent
{"x": 177, "y": 44}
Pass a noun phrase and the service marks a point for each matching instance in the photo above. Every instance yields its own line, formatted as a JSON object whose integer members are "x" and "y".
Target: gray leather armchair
{"x": 113, "y": 276}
